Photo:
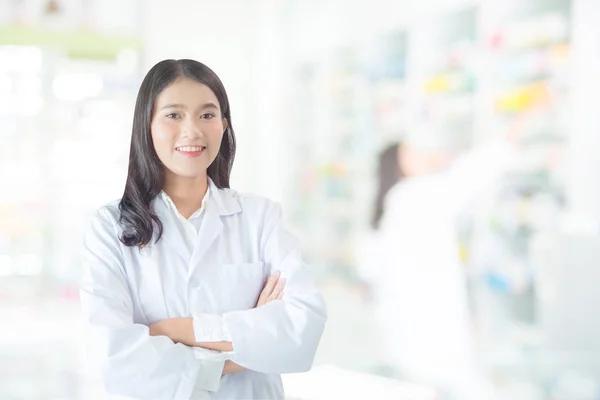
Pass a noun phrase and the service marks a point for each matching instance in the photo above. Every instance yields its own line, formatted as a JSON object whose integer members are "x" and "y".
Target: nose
{"x": 191, "y": 128}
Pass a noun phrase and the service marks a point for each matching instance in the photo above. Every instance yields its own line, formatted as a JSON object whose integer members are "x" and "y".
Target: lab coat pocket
{"x": 240, "y": 285}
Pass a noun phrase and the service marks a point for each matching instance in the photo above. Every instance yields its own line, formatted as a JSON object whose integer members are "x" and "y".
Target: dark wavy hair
{"x": 389, "y": 173}
{"x": 145, "y": 176}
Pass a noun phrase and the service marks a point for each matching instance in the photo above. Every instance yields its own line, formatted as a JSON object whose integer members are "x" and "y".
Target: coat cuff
{"x": 210, "y": 328}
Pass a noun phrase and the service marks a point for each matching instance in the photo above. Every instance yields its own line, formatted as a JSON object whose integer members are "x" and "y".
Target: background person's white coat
{"x": 421, "y": 288}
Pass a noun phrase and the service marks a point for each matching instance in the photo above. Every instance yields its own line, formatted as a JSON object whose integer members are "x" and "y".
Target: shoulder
{"x": 396, "y": 194}
{"x": 413, "y": 189}
{"x": 104, "y": 220}
{"x": 254, "y": 203}
{"x": 257, "y": 210}
{"x": 108, "y": 212}
{"x": 258, "y": 202}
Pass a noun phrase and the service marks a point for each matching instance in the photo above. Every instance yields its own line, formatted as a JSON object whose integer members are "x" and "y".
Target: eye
{"x": 173, "y": 116}
{"x": 207, "y": 116}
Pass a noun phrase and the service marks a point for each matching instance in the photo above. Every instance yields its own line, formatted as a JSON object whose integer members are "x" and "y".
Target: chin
{"x": 194, "y": 176}
{"x": 186, "y": 174}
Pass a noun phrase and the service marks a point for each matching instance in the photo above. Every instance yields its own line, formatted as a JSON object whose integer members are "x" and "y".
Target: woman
{"x": 422, "y": 286}
{"x": 368, "y": 254}
{"x": 174, "y": 272}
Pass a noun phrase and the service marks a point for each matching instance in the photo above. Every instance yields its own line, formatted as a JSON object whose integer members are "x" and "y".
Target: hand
{"x": 273, "y": 290}
{"x": 179, "y": 330}
{"x": 231, "y": 367}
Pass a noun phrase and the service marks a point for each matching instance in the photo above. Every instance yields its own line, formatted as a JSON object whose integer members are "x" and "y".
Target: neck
{"x": 187, "y": 194}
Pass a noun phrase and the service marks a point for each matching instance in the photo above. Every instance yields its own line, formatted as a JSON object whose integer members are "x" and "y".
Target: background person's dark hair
{"x": 145, "y": 177}
{"x": 388, "y": 173}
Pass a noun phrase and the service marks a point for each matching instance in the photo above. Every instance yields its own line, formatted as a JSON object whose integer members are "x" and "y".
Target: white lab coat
{"x": 241, "y": 242}
{"x": 422, "y": 296}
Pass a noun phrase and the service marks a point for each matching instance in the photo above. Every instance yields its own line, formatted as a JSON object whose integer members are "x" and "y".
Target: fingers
{"x": 236, "y": 367}
{"x": 273, "y": 289}
{"x": 271, "y": 283}
{"x": 268, "y": 289}
{"x": 231, "y": 367}
{"x": 277, "y": 291}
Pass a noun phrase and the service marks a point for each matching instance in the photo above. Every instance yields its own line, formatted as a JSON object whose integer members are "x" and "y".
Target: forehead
{"x": 187, "y": 92}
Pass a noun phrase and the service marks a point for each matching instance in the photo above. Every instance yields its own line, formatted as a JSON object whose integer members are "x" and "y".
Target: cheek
{"x": 163, "y": 137}
{"x": 214, "y": 135}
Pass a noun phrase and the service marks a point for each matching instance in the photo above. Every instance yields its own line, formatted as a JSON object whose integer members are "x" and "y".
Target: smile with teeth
{"x": 190, "y": 149}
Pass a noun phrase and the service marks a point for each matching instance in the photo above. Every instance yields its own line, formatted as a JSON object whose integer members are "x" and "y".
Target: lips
{"x": 190, "y": 149}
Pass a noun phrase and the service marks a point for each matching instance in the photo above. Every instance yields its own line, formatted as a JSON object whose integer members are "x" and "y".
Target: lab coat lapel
{"x": 171, "y": 235}
{"x": 221, "y": 203}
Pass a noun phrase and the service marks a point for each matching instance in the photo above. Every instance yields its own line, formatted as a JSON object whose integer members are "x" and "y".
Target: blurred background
{"x": 318, "y": 90}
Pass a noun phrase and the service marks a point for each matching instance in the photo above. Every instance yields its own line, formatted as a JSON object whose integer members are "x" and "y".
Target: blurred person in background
{"x": 184, "y": 278}
{"x": 420, "y": 286}
{"x": 369, "y": 257}
{"x": 389, "y": 172}
{"x": 370, "y": 254}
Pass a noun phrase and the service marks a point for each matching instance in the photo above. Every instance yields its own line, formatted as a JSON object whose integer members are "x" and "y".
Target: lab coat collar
{"x": 222, "y": 202}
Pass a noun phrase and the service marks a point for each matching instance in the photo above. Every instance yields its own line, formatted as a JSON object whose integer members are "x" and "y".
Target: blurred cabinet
{"x": 68, "y": 76}
{"x": 453, "y": 78}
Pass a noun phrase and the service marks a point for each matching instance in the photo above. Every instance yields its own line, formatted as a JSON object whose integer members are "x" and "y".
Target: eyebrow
{"x": 204, "y": 107}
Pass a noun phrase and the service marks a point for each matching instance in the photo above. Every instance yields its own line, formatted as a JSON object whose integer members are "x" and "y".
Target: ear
{"x": 225, "y": 125}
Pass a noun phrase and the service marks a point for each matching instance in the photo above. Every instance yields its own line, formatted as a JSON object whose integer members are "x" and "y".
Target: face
{"x": 187, "y": 128}
{"x": 415, "y": 162}
{"x": 411, "y": 161}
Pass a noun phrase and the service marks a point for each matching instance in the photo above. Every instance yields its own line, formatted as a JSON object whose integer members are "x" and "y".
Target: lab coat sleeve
{"x": 130, "y": 361}
{"x": 281, "y": 336}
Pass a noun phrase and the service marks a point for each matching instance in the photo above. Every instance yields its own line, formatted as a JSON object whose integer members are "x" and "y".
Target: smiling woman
{"x": 180, "y": 104}
{"x": 190, "y": 289}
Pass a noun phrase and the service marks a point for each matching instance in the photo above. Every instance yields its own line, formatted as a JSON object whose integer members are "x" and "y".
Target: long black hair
{"x": 389, "y": 173}
{"x": 145, "y": 176}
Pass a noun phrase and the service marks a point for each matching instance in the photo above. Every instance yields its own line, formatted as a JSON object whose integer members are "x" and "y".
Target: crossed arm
{"x": 181, "y": 330}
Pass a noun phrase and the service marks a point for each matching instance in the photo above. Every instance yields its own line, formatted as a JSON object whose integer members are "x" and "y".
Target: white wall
{"x": 270, "y": 82}
{"x": 584, "y": 155}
